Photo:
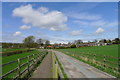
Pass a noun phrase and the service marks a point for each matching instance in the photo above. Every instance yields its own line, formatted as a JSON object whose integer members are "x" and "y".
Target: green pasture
{"x": 10, "y": 49}
{"x": 109, "y": 50}
{"x": 99, "y": 51}
{"x": 7, "y": 59}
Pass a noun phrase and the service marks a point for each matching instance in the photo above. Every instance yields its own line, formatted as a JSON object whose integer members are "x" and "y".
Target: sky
{"x": 59, "y": 22}
{"x": 60, "y": 0}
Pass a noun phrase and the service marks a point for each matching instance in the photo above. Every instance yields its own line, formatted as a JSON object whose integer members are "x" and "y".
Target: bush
{"x": 73, "y": 46}
{"x": 14, "y": 52}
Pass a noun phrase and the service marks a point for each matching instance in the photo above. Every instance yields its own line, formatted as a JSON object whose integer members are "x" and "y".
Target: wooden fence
{"x": 23, "y": 70}
{"x": 57, "y": 72}
{"x": 108, "y": 64}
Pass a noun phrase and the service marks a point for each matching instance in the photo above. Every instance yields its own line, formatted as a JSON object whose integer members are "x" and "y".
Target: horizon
{"x": 64, "y": 43}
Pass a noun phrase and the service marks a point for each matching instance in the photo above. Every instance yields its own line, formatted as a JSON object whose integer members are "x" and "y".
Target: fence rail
{"x": 29, "y": 64}
{"x": 106, "y": 63}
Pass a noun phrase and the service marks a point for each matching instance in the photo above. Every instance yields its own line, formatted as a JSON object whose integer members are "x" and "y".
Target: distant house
{"x": 109, "y": 43}
{"x": 91, "y": 44}
{"x": 64, "y": 45}
{"x": 101, "y": 44}
{"x": 41, "y": 47}
{"x": 82, "y": 45}
{"x": 87, "y": 44}
{"x": 55, "y": 46}
{"x": 49, "y": 46}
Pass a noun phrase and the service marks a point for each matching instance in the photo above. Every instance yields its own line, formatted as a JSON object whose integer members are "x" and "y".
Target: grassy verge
{"x": 60, "y": 65}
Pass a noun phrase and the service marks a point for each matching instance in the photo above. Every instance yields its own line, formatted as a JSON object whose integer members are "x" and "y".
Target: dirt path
{"x": 44, "y": 70}
{"x": 77, "y": 69}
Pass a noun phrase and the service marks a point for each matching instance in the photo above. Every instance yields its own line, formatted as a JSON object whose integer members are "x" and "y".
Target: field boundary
{"x": 102, "y": 65}
{"x": 15, "y": 52}
{"x": 57, "y": 68}
{"x": 31, "y": 63}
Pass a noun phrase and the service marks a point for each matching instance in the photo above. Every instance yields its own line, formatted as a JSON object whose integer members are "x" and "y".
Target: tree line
{"x": 107, "y": 41}
{"x": 31, "y": 42}
{"x": 28, "y": 42}
{"x": 114, "y": 41}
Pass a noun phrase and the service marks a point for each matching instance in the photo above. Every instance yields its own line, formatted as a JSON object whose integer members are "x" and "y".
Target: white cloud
{"x": 43, "y": 9}
{"x": 17, "y": 33}
{"x": 99, "y": 30}
{"x": 25, "y": 27}
{"x": 76, "y": 32}
{"x": 97, "y": 23}
{"x": 41, "y": 17}
{"x": 85, "y": 16}
{"x": 9, "y": 37}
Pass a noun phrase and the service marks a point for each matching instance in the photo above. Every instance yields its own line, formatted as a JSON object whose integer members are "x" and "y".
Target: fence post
{"x": 33, "y": 61}
{"x": 18, "y": 67}
{"x": 104, "y": 61}
{"x": 39, "y": 56}
{"x": 28, "y": 65}
{"x": 94, "y": 61}
{"x": 36, "y": 57}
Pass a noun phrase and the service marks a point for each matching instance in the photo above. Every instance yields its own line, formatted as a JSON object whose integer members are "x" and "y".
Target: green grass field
{"x": 99, "y": 51}
{"x": 111, "y": 50}
{"x": 8, "y": 50}
{"x": 7, "y": 59}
